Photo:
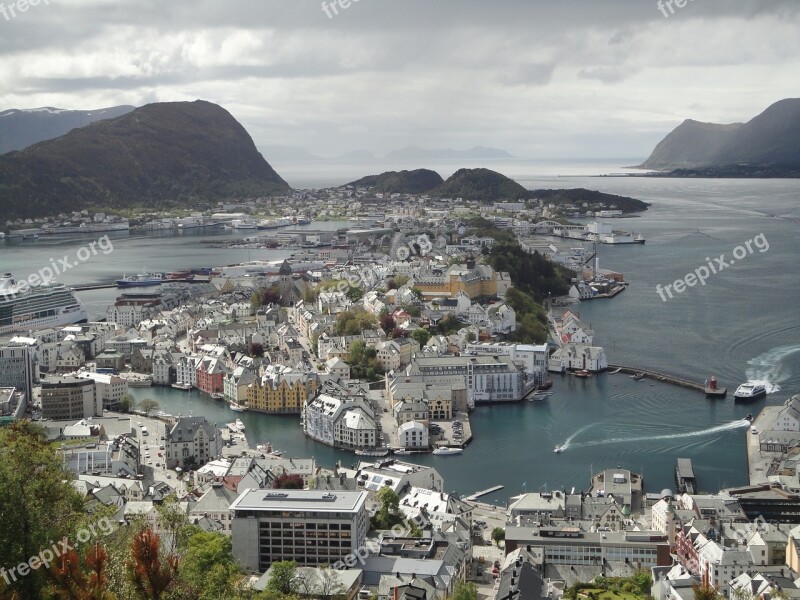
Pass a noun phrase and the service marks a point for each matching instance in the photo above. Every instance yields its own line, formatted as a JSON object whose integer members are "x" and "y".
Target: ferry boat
{"x": 447, "y": 450}
{"x": 24, "y": 308}
{"x": 750, "y": 390}
{"x": 141, "y": 279}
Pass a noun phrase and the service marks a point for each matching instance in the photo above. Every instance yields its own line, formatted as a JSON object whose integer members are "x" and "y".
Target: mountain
{"x": 417, "y": 181}
{"x": 417, "y": 153}
{"x": 771, "y": 139}
{"x": 279, "y": 153}
{"x": 163, "y": 155}
{"x": 480, "y": 184}
{"x": 21, "y": 128}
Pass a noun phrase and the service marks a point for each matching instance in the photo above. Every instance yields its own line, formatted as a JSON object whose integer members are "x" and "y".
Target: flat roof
{"x": 302, "y": 500}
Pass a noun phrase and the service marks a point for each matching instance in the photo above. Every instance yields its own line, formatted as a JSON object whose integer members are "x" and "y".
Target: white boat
{"x": 24, "y": 307}
{"x": 558, "y": 449}
{"x": 750, "y": 390}
{"x": 140, "y": 280}
{"x": 239, "y": 424}
{"x": 237, "y": 407}
{"x": 447, "y": 450}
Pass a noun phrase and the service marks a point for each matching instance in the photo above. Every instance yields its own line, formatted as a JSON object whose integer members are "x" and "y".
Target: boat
{"x": 140, "y": 280}
{"x": 30, "y": 236}
{"x": 182, "y": 386}
{"x": 237, "y": 407}
{"x": 749, "y": 417}
{"x": 24, "y": 307}
{"x": 582, "y": 373}
{"x": 374, "y": 452}
{"x": 217, "y": 396}
{"x": 558, "y": 449}
{"x": 637, "y": 376}
{"x": 750, "y": 390}
{"x": 239, "y": 424}
{"x": 447, "y": 450}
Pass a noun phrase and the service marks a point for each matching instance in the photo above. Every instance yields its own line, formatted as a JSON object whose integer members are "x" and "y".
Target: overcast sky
{"x": 541, "y": 79}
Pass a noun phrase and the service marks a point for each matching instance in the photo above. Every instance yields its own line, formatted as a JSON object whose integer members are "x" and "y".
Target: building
{"x": 210, "y": 374}
{"x": 281, "y": 393}
{"x": 487, "y": 378}
{"x": 342, "y": 423}
{"x": 18, "y": 368}
{"x": 310, "y": 527}
{"x": 192, "y": 440}
{"x": 477, "y": 281}
{"x": 70, "y": 398}
{"x": 110, "y": 388}
{"x": 413, "y": 434}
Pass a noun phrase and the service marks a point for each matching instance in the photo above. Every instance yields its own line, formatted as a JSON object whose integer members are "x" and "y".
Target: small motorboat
{"x": 558, "y": 449}
{"x": 582, "y": 373}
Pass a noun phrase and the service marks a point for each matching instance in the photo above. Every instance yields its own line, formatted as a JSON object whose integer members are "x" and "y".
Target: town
{"x": 382, "y": 339}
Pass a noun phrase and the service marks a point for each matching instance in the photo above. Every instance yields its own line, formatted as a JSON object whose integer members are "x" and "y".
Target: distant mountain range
{"x": 21, "y": 128}
{"x": 163, "y": 155}
{"x": 280, "y": 153}
{"x": 768, "y": 143}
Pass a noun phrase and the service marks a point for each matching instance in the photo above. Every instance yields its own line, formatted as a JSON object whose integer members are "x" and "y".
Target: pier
{"x": 477, "y": 495}
{"x": 692, "y": 385}
{"x": 684, "y": 476}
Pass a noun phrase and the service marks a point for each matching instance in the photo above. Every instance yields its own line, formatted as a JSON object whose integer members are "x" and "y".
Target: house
{"x": 210, "y": 374}
{"x": 214, "y": 505}
{"x": 337, "y": 368}
{"x": 192, "y": 440}
{"x": 282, "y": 391}
{"x": 413, "y": 434}
{"x": 235, "y": 384}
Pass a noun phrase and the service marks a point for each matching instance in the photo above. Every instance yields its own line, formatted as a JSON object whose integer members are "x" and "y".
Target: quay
{"x": 679, "y": 381}
{"x": 684, "y": 476}
{"x": 85, "y": 287}
{"x": 477, "y": 495}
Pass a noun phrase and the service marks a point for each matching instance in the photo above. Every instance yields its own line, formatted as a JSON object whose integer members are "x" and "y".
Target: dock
{"x": 684, "y": 476}
{"x": 665, "y": 377}
{"x": 477, "y": 495}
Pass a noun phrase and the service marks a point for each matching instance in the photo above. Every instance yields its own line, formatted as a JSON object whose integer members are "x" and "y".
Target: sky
{"x": 555, "y": 79}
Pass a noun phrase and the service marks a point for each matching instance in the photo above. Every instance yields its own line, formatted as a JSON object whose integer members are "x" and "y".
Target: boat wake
{"x": 768, "y": 368}
{"x": 568, "y": 442}
{"x": 669, "y": 436}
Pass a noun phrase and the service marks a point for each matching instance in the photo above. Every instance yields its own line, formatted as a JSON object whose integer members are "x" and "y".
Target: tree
{"x": 71, "y": 582}
{"x": 704, "y": 591}
{"x": 388, "y": 513}
{"x": 397, "y": 332}
{"x": 208, "y": 566}
{"x": 38, "y": 503}
{"x": 354, "y": 321}
{"x": 148, "y": 405}
{"x": 150, "y": 578}
{"x": 126, "y": 404}
{"x": 284, "y": 577}
{"x": 422, "y": 336}
{"x": 464, "y": 591}
{"x": 171, "y": 519}
{"x": 387, "y": 323}
{"x": 498, "y": 535}
{"x": 288, "y": 481}
{"x": 255, "y": 349}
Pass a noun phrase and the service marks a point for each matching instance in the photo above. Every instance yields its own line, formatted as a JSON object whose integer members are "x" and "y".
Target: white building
{"x": 413, "y": 434}
{"x": 109, "y": 388}
{"x": 186, "y": 370}
{"x": 340, "y": 423}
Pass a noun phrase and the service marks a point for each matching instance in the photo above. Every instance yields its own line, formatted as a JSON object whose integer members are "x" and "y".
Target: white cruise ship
{"x": 45, "y": 305}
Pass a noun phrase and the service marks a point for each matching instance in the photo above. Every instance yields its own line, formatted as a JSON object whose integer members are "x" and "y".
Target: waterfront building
{"x": 70, "y": 398}
{"x": 235, "y": 383}
{"x": 109, "y": 388}
{"x": 283, "y": 392}
{"x": 342, "y": 423}
{"x": 413, "y": 435}
{"x": 186, "y": 370}
{"x": 210, "y": 374}
{"x": 487, "y": 378}
{"x": 578, "y": 357}
{"x": 311, "y": 527}
{"x": 191, "y": 440}
{"x": 394, "y": 474}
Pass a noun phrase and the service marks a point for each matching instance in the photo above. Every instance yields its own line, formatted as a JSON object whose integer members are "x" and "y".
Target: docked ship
{"x": 447, "y": 450}
{"x": 750, "y": 390}
{"x": 140, "y": 280}
{"x": 45, "y": 305}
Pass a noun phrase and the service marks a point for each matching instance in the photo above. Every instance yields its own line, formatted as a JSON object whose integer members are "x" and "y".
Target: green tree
{"x": 388, "y": 514}
{"x": 422, "y": 336}
{"x": 126, "y": 404}
{"x": 208, "y": 566}
{"x": 704, "y": 591}
{"x": 283, "y": 579}
{"x": 498, "y": 535}
{"x": 172, "y": 519}
{"x": 465, "y": 591}
{"x": 148, "y": 405}
{"x": 37, "y": 502}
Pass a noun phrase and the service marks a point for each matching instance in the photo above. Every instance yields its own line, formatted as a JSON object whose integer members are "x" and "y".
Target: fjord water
{"x": 742, "y": 324}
